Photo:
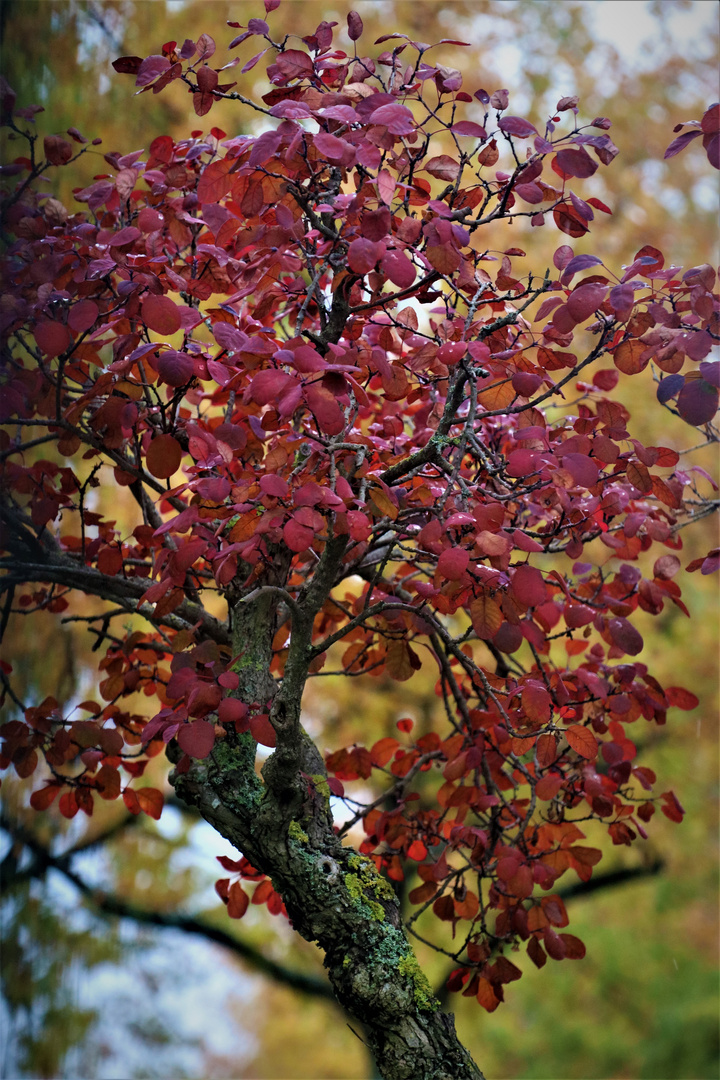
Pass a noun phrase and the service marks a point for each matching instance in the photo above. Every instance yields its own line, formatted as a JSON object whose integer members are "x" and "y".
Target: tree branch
{"x": 112, "y": 905}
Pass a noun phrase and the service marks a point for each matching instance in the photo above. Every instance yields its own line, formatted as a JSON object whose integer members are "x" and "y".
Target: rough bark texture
{"x": 334, "y": 897}
{"x": 282, "y": 823}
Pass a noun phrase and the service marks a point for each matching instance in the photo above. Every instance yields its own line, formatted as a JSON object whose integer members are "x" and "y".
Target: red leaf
{"x": 628, "y": 356}
{"x": 163, "y": 457}
{"x": 517, "y": 125}
{"x": 238, "y": 901}
{"x": 205, "y": 47}
{"x": 399, "y": 268}
{"x": 680, "y": 143}
{"x": 232, "y": 711}
{"x": 546, "y": 750}
{"x": 44, "y": 797}
{"x": 486, "y": 616}
{"x": 526, "y": 383}
{"x": 325, "y": 409}
{"x": 197, "y": 738}
{"x": 52, "y": 337}
{"x": 486, "y": 995}
{"x": 528, "y": 586}
{"x": 107, "y": 782}
{"x": 680, "y": 698}
{"x": 294, "y": 64}
{"x": 150, "y": 68}
{"x": 83, "y": 315}
{"x": 574, "y": 948}
{"x": 68, "y": 804}
{"x": 453, "y": 563}
{"x": 625, "y": 636}
{"x": 467, "y": 127}
{"x": 262, "y": 730}
{"x": 331, "y": 147}
{"x": 536, "y": 952}
{"x": 418, "y": 852}
{"x": 363, "y": 254}
{"x": 672, "y": 808}
{"x": 398, "y": 119}
{"x": 150, "y": 801}
{"x": 666, "y": 567}
{"x": 268, "y": 385}
{"x": 58, "y": 151}
{"x": 443, "y": 167}
{"x": 161, "y": 314}
{"x": 582, "y": 741}
{"x": 175, "y": 368}
{"x": 569, "y": 221}
{"x": 383, "y": 750}
{"x": 444, "y": 257}
{"x": 297, "y": 536}
{"x": 215, "y": 180}
{"x": 585, "y": 300}
{"x": 554, "y": 944}
{"x": 127, "y": 65}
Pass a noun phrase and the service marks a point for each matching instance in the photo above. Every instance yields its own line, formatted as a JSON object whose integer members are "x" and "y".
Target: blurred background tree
{"x": 94, "y": 939}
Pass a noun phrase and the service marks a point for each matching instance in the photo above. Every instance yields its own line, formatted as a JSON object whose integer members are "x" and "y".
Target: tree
{"x": 348, "y": 441}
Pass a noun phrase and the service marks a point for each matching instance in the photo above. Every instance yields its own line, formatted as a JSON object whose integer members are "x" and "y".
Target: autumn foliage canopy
{"x": 294, "y": 350}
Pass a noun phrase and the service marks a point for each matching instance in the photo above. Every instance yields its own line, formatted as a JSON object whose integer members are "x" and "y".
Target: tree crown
{"x": 357, "y": 440}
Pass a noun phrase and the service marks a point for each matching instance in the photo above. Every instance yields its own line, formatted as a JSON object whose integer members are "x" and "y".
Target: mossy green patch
{"x": 296, "y": 831}
{"x": 422, "y": 991}
{"x": 321, "y": 786}
{"x": 371, "y": 879}
{"x": 355, "y": 887}
{"x": 233, "y": 759}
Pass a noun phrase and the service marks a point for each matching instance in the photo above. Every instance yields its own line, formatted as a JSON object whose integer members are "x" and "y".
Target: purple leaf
{"x": 331, "y": 147}
{"x": 151, "y": 67}
{"x": 711, "y": 373}
{"x": 584, "y": 210}
{"x": 467, "y": 127}
{"x": 175, "y": 368}
{"x": 680, "y": 143}
{"x": 625, "y": 636}
{"x": 355, "y": 25}
{"x": 398, "y": 119}
{"x": 516, "y": 125}
{"x": 580, "y": 262}
{"x": 697, "y": 401}
{"x": 562, "y": 256}
{"x": 622, "y": 297}
{"x": 669, "y": 387}
{"x": 698, "y": 345}
{"x": 575, "y": 161}
{"x": 229, "y": 337}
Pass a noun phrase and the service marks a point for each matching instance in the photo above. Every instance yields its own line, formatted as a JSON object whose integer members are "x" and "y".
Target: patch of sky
{"x": 187, "y": 987}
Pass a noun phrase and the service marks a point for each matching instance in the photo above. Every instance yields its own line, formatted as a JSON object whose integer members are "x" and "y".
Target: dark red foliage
{"x": 226, "y": 330}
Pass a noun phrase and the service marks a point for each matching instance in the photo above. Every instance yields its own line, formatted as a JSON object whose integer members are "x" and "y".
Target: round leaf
{"x": 163, "y": 457}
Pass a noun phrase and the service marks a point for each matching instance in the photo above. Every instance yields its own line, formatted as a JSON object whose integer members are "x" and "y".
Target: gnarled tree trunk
{"x": 282, "y": 823}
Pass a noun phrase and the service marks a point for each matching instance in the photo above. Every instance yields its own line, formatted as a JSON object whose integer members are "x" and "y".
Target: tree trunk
{"x": 282, "y": 823}
{"x": 334, "y": 897}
